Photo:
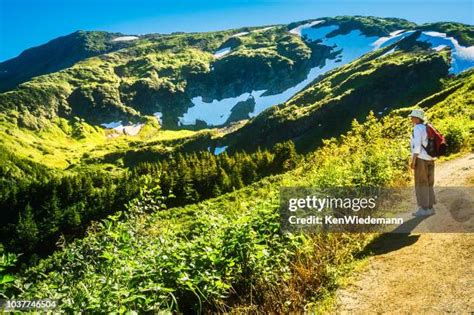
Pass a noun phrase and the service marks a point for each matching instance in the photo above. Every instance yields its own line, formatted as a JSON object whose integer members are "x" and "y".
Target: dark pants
{"x": 424, "y": 181}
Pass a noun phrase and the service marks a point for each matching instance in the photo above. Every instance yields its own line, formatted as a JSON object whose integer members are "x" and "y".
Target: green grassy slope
{"x": 228, "y": 253}
{"x": 63, "y": 144}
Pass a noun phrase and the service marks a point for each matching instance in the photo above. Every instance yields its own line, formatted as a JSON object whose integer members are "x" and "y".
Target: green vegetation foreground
{"x": 228, "y": 252}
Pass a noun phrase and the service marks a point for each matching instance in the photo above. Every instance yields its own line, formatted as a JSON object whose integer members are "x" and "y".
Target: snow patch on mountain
{"x": 219, "y": 150}
{"x": 462, "y": 58}
{"x": 214, "y": 114}
{"x": 394, "y": 33}
{"x": 130, "y": 130}
{"x": 112, "y": 125}
{"x": 299, "y": 29}
{"x": 159, "y": 116}
{"x": 222, "y": 52}
{"x": 124, "y": 38}
{"x": 313, "y": 34}
{"x": 264, "y": 102}
{"x": 391, "y": 51}
{"x": 440, "y": 47}
{"x": 263, "y": 29}
{"x": 353, "y": 45}
{"x": 226, "y": 50}
{"x": 240, "y": 34}
{"x": 218, "y": 112}
{"x": 393, "y": 37}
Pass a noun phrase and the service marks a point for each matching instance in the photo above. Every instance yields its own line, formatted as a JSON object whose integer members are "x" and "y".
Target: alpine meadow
{"x": 143, "y": 172}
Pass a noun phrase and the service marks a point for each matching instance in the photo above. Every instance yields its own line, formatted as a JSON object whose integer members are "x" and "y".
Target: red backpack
{"x": 436, "y": 143}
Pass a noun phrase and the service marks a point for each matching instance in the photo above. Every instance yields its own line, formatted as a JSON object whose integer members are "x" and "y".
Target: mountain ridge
{"x": 55, "y": 55}
{"x": 138, "y": 78}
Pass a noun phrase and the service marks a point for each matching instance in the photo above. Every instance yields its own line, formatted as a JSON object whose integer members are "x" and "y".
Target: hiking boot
{"x": 421, "y": 212}
{"x": 430, "y": 211}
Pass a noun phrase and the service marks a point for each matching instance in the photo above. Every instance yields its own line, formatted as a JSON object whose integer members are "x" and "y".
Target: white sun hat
{"x": 418, "y": 113}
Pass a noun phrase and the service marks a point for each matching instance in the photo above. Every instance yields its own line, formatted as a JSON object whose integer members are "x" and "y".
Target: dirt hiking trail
{"x": 427, "y": 273}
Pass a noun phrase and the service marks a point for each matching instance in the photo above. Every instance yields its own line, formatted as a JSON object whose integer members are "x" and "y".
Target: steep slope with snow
{"x": 462, "y": 58}
{"x": 380, "y": 82}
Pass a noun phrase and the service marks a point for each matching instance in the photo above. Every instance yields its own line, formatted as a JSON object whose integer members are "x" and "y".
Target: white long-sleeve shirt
{"x": 419, "y": 139}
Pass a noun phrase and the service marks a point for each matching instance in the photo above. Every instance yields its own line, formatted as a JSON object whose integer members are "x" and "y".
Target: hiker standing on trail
{"x": 422, "y": 164}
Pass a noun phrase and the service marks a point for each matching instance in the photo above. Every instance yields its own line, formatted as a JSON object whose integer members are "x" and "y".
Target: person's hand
{"x": 413, "y": 164}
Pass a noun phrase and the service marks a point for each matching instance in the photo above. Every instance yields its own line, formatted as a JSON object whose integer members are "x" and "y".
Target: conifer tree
{"x": 27, "y": 230}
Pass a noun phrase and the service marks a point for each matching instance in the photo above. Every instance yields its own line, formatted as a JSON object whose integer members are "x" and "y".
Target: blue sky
{"x": 28, "y": 23}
